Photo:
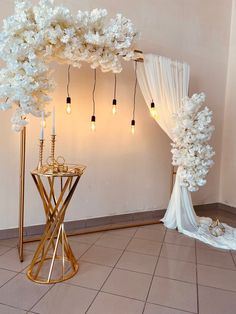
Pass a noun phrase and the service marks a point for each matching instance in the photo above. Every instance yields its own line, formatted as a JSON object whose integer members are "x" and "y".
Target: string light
{"x": 93, "y": 117}
{"x": 68, "y": 99}
{"x": 134, "y": 103}
{"x": 153, "y": 110}
{"x": 114, "y": 102}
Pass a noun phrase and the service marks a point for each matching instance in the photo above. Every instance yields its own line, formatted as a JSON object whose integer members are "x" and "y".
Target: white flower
{"x": 38, "y": 34}
{"x": 189, "y": 148}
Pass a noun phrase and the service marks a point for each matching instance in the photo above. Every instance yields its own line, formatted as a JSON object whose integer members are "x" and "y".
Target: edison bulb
{"x": 153, "y": 112}
{"x": 114, "y": 110}
{"x": 93, "y": 126}
{"x": 68, "y": 108}
{"x": 132, "y": 129}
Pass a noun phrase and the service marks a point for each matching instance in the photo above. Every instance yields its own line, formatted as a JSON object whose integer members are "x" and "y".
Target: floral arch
{"x": 36, "y": 35}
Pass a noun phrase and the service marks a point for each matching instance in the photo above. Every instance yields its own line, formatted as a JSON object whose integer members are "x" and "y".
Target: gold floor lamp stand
{"x": 54, "y": 260}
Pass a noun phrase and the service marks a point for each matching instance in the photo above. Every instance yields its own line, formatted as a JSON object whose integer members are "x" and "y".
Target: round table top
{"x": 73, "y": 171}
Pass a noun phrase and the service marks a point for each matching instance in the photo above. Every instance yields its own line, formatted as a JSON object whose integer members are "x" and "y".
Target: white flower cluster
{"x": 36, "y": 35}
{"x": 190, "y": 148}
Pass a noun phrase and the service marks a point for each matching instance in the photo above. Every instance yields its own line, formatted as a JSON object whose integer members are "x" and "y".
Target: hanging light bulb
{"x": 114, "y": 102}
{"x": 93, "y": 123}
{"x": 134, "y": 100}
{"x": 93, "y": 117}
{"x": 68, "y": 99}
{"x": 132, "y": 126}
{"x": 114, "y": 108}
{"x": 153, "y": 110}
{"x": 68, "y": 105}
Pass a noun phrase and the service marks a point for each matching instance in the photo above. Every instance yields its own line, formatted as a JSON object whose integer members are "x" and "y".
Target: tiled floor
{"x": 147, "y": 270}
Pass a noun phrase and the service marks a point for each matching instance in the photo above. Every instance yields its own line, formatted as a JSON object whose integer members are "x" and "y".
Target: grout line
{"x": 196, "y": 276}
{"x": 50, "y": 288}
{"x": 54, "y": 284}
{"x": 154, "y": 273}
{"x": 231, "y": 253}
{"x": 110, "y": 272}
{"x": 172, "y": 308}
{"x": 10, "y": 279}
{"x": 217, "y": 267}
{"x": 188, "y": 282}
{"x": 232, "y": 269}
{"x": 92, "y": 244}
{"x": 226, "y": 290}
{"x": 13, "y": 307}
{"x": 9, "y": 249}
{"x": 120, "y": 295}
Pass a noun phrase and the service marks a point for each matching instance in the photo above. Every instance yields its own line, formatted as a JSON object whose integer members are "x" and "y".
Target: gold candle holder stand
{"x": 40, "y": 163}
{"x": 53, "y": 145}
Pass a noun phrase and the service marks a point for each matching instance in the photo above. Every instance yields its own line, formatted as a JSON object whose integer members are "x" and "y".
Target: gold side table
{"x": 54, "y": 260}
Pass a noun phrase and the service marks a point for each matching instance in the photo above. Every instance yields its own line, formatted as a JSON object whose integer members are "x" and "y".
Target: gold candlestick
{"x": 52, "y": 156}
{"x": 40, "y": 163}
{"x": 53, "y": 144}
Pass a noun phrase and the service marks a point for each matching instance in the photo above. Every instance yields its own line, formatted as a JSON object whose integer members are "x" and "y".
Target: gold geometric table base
{"x": 54, "y": 260}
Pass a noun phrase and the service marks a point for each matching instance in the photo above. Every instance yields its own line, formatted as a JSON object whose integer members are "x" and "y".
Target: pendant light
{"x": 93, "y": 117}
{"x": 114, "y": 101}
{"x": 134, "y": 101}
{"x": 68, "y": 99}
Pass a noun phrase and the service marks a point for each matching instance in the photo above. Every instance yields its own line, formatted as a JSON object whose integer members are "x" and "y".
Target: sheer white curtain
{"x": 166, "y": 82}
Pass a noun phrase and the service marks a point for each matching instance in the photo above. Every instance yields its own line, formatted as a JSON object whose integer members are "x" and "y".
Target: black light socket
{"x": 93, "y": 119}
{"x": 114, "y": 102}
{"x": 68, "y": 100}
{"x": 152, "y": 104}
{"x": 132, "y": 122}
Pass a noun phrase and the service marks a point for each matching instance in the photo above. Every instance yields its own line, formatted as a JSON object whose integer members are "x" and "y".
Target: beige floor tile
{"x": 78, "y": 248}
{"x": 102, "y": 255}
{"x": 144, "y": 246}
{"x": 90, "y": 275}
{"x": 4, "y": 309}
{"x": 4, "y": 249}
{"x": 216, "y": 301}
{"x": 126, "y": 232}
{"x": 137, "y": 262}
{"x": 217, "y": 277}
{"x": 12, "y": 242}
{"x": 147, "y": 234}
{"x": 178, "y": 238}
{"x": 22, "y": 293}
{"x": 174, "y": 269}
{"x": 89, "y": 238}
{"x": 158, "y": 226}
{"x": 202, "y": 245}
{"x": 234, "y": 257}
{"x": 10, "y": 260}
{"x": 173, "y": 293}
{"x": 128, "y": 284}
{"x": 215, "y": 258}
{"x": 113, "y": 304}
{"x": 113, "y": 241}
{"x": 6, "y": 275}
{"x": 157, "y": 309}
{"x": 182, "y": 253}
{"x": 63, "y": 298}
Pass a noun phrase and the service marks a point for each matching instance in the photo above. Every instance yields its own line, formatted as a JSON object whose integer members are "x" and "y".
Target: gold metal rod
{"x": 99, "y": 229}
{"x": 63, "y": 250}
{"x": 22, "y": 194}
{"x": 54, "y": 254}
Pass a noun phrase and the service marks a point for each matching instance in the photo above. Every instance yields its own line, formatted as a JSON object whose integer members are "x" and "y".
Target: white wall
{"x": 228, "y": 169}
{"x": 124, "y": 173}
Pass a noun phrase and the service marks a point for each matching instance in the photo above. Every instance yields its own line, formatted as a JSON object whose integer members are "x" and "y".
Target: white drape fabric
{"x": 166, "y": 83}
